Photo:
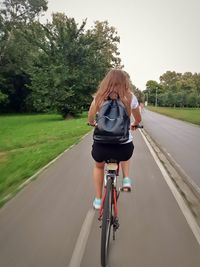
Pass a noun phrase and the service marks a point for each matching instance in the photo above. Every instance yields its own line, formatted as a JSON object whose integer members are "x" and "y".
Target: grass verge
{"x": 191, "y": 115}
{"x": 28, "y": 142}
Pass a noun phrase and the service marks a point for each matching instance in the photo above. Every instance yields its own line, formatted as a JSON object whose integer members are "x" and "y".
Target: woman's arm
{"x": 92, "y": 113}
{"x": 137, "y": 116}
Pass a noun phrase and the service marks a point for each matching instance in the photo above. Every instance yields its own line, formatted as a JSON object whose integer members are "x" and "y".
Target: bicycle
{"x": 108, "y": 212}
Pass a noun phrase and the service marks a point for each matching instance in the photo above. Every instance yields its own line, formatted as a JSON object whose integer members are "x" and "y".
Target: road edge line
{"x": 182, "y": 205}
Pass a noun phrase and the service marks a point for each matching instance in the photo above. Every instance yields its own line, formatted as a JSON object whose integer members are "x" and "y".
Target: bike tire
{"x": 106, "y": 224}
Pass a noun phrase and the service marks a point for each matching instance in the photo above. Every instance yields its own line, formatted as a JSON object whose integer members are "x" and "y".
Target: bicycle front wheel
{"x": 106, "y": 224}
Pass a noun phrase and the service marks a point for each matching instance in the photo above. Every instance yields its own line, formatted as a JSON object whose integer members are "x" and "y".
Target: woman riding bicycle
{"x": 115, "y": 85}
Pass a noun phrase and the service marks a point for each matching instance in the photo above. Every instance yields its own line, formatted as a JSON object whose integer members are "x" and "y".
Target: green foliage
{"x": 16, "y": 18}
{"x": 72, "y": 62}
{"x": 153, "y": 89}
{"x": 3, "y": 98}
{"x": 175, "y": 90}
{"x": 169, "y": 78}
{"x": 22, "y": 10}
{"x": 54, "y": 66}
{"x": 139, "y": 94}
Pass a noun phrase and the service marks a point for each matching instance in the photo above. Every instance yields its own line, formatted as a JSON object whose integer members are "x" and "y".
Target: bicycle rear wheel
{"x": 106, "y": 224}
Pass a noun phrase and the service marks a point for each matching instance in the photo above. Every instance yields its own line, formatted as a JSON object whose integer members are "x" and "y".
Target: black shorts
{"x": 120, "y": 152}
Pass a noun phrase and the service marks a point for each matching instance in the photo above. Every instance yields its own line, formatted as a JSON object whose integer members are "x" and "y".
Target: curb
{"x": 188, "y": 189}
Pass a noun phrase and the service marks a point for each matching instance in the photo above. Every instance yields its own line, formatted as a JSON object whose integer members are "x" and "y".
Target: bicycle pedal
{"x": 116, "y": 224}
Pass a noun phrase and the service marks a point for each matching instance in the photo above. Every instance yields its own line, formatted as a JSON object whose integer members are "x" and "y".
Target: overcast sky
{"x": 156, "y": 35}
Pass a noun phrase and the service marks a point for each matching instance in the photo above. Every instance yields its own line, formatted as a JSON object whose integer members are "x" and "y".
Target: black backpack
{"x": 113, "y": 123}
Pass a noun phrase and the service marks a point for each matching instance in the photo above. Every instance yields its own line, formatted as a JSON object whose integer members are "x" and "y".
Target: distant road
{"x": 180, "y": 139}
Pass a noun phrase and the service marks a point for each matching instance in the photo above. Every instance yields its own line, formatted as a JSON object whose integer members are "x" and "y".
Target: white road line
{"x": 82, "y": 240}
{"x": 185, "y": 210}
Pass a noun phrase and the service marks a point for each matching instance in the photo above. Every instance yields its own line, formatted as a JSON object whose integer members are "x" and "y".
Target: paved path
{"x": 180, "y": 139}
{"x": 40, "y": 226}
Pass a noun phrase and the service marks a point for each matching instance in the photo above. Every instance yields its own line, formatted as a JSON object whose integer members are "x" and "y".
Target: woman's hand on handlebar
{"x": 94, "y": 124}
{"x": 135, "y": 126}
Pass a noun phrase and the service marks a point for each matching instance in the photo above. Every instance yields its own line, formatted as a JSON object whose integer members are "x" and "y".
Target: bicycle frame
{"x": 108, "y": 212}
{"x": 114, "y": 202}
{"x": 112, "y": 173}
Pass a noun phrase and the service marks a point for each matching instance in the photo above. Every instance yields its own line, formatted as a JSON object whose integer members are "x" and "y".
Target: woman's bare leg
{"x": 125, "y": 168}
{"x": 98, "y": 174}
{"x": 126, "y": 184}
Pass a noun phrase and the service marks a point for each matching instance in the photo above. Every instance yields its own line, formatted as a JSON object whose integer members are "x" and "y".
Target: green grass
{"x": 28, "y": 142}
{"x": 191, "y": 115}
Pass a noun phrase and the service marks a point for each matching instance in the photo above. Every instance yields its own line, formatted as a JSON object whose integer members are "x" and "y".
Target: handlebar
{"x": 92, "y": 125}
{"x": 136, "y": 126}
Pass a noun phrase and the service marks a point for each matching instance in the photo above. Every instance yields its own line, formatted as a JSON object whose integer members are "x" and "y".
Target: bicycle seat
{"x": 112, "y": 164}
{"x": 112, "y": 161}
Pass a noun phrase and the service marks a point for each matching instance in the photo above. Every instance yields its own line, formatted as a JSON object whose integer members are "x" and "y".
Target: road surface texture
{"x": 41, "y": 225}
{"x": 180, "y": 139}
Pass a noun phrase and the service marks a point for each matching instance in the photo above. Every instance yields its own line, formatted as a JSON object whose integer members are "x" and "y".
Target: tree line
{"x": 174, "y": 90}
{"x": 56, "y": 66}
{"x": 53, "y": 66}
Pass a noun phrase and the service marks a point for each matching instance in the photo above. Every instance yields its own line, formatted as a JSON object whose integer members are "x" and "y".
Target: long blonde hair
{"x": 116, "y": 84}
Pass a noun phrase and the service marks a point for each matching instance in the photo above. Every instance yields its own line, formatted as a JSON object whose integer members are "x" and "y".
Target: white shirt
{"x": 134, "y": 105}
{"x": 134, "y": 102}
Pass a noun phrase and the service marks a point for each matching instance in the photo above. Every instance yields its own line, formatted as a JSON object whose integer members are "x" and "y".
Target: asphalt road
{"x": 41, "y": 225}
{"x": 180, "y": 139}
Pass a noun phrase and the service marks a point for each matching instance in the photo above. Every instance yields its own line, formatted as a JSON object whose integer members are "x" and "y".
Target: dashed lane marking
{"x": 82, "y": 239}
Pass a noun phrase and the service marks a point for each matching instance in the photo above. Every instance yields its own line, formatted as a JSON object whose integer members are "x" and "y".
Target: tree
{"x": 16, "y": 52}
{"x": 15, "y": 11}
{"x": 153, "y": 89}
{"x": 72, "y": 62}
{"x": 139, "y": 94}
{"x": 176, "y": 89}
{"x": 192, "y": 100}
{"x": 196, "y": 79}
{"x": 169, "y": 78}
{"x": 186, "y": 85}
{"x": 54, "y": 66}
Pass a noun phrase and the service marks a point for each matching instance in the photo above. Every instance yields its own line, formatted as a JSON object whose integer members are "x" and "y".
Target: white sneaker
{"x": 126, "y": 184}
{"x": 97, "y": 203}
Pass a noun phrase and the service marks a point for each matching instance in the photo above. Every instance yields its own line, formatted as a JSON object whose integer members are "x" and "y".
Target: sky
{"x": 155, "y": 35}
